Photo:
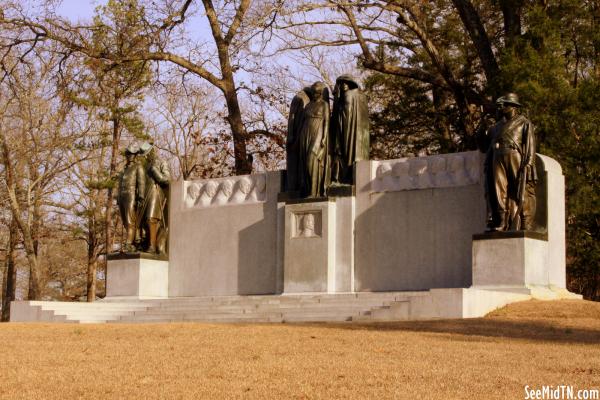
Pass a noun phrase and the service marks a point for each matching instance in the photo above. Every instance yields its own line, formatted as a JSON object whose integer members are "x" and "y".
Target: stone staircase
{"x": 289, "y": 308}
{"x": 382, "y": 306}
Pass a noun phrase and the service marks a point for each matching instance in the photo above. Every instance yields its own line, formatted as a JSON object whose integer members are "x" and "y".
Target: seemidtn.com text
{"x": 560, "y": 392}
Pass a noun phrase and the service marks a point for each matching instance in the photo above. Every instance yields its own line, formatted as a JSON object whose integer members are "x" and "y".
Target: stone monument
{"x": 410, "y": 225}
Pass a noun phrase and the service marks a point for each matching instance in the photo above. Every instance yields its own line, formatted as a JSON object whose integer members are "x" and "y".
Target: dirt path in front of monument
{"x": 531, "y": 344}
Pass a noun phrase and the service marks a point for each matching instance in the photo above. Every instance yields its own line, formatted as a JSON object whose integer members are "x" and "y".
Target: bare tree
{"x": 232, "y": 25}
{"x": 184, "y": 127}
{"x": 9, "y": 281}
{"x": 32, "y": 140}
{"x": 409, "y": 40}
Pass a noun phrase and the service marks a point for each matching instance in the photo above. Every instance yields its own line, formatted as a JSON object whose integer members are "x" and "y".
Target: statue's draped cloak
{"x": 297, "y": 107}
{"x": 132, "y": 190}
{"x": 349, "y": 130}
{"x": 314, "y": 160}
{"x": 157, "y": 182}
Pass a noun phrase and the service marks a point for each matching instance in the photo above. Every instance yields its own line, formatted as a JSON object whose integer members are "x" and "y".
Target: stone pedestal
{"x": 319, "y": 246}
{"x": 510, "y": 259}
{"x": 137, "y": 276}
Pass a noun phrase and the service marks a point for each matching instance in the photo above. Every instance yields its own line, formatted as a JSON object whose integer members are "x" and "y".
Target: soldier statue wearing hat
{"x": 510, "y": 168}
{"x": 132, "y": 190}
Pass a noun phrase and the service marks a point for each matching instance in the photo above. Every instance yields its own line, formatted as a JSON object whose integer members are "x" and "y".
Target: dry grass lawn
{"x": 531, "y": 343}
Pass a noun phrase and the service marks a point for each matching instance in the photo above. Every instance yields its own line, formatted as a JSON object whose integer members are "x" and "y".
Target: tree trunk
{"x": 23, "y": 225}
{"x": 475, "y": 28}
{"x": 234, "y": 117}
{"x": 10, "y": 278}
{"x": 35, "y": 234}
{"x": 92, "y": 262}
{"x": 116, "y": 136}
{"x": 441, "y": 99}
{"x": 35, "y": 292}
{"x": 511, "y": 11}
{"x": 91, "y": 279}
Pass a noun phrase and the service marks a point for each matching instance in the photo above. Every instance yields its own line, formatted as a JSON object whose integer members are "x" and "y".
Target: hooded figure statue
{"x": 349, "y": 129}
{"x": 299, "y": 102}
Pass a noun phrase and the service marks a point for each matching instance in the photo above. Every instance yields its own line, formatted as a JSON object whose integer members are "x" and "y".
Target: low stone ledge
{"x": 511, "y": 235}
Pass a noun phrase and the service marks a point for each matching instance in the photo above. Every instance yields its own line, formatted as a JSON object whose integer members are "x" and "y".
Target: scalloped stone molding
{"x": 439, "y": 171}
{"x": 234, "y": 190}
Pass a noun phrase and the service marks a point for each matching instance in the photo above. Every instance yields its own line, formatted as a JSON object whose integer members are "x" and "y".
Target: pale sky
{"x": 78, "y": 9}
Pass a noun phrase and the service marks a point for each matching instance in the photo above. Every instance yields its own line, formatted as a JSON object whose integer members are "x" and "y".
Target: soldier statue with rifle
{"x": 510, "y": 168}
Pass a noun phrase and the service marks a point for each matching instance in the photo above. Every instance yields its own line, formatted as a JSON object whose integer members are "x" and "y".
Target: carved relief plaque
{"x": 306, "y": 224}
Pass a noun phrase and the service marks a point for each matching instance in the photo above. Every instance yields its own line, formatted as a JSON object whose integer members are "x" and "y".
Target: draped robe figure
{"x": 510, "y": 169}
{"x": 297, "y": 107}
{"x": 156, "y": 213}
{"x": 314, "y": 134}
{"x": 349, "y": 129}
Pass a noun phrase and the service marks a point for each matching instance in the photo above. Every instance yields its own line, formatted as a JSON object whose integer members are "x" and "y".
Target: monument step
{"x": 437, "y": 303}
{"x": 317, "y": 318}
{"x": 271, "y": 317}
{"x": 95, "y": 313}
{"x": 100, "y": 305}
{"x": 397, "y": 311}
{"x": 164, "y": 309}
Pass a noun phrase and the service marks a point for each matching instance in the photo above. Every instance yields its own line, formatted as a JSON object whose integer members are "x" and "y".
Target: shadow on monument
{"x": 417, "y": 239}
{"x": 257, "y": 254}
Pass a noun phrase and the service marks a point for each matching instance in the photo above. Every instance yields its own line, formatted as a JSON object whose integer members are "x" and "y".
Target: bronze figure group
{"x": 142, "y": 199}
{"x": 322, "y": 146}
{"x": 510, "y": 174}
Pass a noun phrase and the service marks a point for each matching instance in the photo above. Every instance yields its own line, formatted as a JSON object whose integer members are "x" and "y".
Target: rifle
{"x": 515, "y": 223}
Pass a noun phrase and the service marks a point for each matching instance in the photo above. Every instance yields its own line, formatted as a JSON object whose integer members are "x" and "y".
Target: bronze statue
{"x": 349, "y": 129}
{"x": 130, "y": 198}
{"x": 314, "y": 134}
{"x": 510, "y": 172}
{"x": 299, "y": 102}
{"x": 156, "y": 210}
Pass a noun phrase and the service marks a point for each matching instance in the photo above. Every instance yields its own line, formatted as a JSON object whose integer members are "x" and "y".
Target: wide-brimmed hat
{"x": 145, "y": 148}
{"x": 133, "y": 148}
{"x": 510, "y": 98}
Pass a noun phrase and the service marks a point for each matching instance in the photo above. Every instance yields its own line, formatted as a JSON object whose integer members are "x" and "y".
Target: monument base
{"x": 137, "y": 276}
{"x": 319, "y": 246}
{"x": 510, "y": 260}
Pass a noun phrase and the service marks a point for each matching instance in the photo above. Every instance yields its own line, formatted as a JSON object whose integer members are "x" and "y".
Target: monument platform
{"x": 403, "y": 243}
{"x": 321, "y": 307}
{"x": 137, "y": 276}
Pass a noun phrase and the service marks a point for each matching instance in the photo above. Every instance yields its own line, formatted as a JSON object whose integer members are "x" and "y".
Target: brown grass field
{"x": 531, "y": 343}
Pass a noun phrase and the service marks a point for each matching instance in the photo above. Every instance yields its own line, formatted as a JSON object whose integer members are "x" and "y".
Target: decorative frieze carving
{"x": 445, "y": 170}
{"x": 245, "y": 189}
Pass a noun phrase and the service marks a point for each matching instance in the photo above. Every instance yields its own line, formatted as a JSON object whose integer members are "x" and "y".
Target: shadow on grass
{"x": 491, "y": 328}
